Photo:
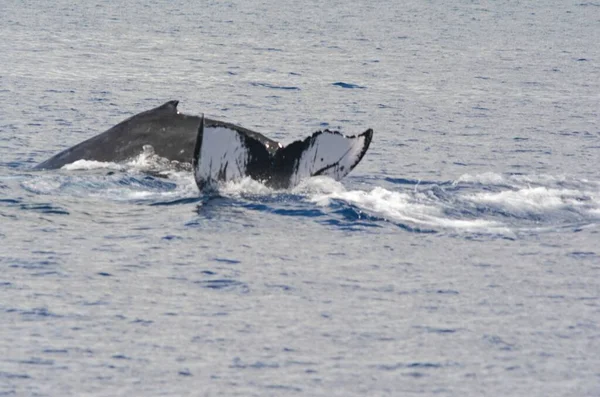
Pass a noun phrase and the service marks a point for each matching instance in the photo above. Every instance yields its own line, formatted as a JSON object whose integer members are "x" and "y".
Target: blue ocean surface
{"x": 460, "y": 258}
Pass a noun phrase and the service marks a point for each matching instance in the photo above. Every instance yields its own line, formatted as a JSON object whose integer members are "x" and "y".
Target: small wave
{"x": 348, "y": 85}
{"x": 276, "y": 87}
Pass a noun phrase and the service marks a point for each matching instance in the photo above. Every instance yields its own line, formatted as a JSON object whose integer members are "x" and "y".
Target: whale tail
{"x": 226, "y": 153}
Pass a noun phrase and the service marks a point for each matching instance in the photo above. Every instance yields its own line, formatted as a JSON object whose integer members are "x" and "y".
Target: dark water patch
{"x": 345, "y": 226}
{"x": 185, "y": 200}
{"x": 444, "y": 292}
{"x": 348, "y": 85}
{"x": 16, "y": 263}
{"x": 95, "y": 303}
{"x": 149, "y": 182}
{"x": 424, "y": 365}
{"x": 63, "y": 123}
{"x": 42, "y": 252}
{"x": 37, "y": 361}
{"x": 279, "y": 205}
{"x": 238, "y": 363}
{"x": 224, "y": 284}
{"x": 17, "y": 164}
{"x": 41, "y": 264}
{"x": 283, "y": 388}
{"x": 225, "y": 260}
{"x": 12, "y": 375}
{"x": 270, "y": 49}
{"x": 39, "y": 312}
{"x": 435, "y": 330}
{"x": 44, "y": 208}
{"x": 582, "y": 254}
{"x": 413, "y": 365}
{"x": 355, "y": 215}
{"x": 141, "y": 321}
{"x": 498, "y": 342}
{"x": 11, "y": 216}
{"x": 279, "y": 287}
{"x": 121, "y": 357}
{"x": 415, "y": 182}
{"x": 276, "y": 87}
{"x": 55, "y": 351}
{"x": 170, "y": 237}
{"x": 542, "y": 151}
{"x": 46, "y": 273}
{"x": 414, "y": 229}
{"x": 414, "y": 374}
{"x": 124, "y": 236}
{"x": 311, "y": 213}
{"x": 55, "y": 91}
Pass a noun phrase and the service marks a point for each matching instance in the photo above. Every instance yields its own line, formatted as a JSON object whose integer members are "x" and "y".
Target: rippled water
{"x": 459, "y": 258}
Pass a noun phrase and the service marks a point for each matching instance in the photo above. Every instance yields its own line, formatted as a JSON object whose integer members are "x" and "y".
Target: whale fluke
{"x": 228, "y": 154}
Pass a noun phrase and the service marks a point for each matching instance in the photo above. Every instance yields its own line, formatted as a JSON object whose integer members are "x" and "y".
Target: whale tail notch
{"x": 225, "y": 153}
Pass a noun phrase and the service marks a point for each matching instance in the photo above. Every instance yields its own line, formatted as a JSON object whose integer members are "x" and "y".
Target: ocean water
{"x": 460, "y": 258}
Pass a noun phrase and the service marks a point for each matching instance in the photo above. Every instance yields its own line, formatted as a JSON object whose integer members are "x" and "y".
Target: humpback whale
{"x": 220, "y": 151}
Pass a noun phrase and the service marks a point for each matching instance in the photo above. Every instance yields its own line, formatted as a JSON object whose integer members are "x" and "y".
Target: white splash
{"x": 404, "y": 207}
{"x": 146, "y": 161}
{"x": 86, "y": 165}
{"x": 537, "y": 200}
{"x": 318, "y": 185}
{"x": 242, "y": 186}
{"x": 485, "y": 178}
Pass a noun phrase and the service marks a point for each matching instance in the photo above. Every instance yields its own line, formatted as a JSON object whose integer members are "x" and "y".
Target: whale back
{"x": 171, "y": 134}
